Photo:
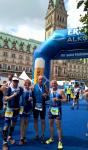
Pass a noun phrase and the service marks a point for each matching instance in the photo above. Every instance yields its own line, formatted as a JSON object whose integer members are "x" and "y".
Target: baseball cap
{"x": 15, "y": 79}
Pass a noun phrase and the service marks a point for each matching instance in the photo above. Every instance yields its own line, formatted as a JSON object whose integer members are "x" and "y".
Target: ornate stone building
{"x": 56, "y": 18}
{"x": 16, "y": 54}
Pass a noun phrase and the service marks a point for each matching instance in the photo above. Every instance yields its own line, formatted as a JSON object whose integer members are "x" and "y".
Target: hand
{"x": 44, "y": 95}
{"x": 5, "y": 98}
{"x": 32, "y": 87}
{"x": 55, "y": 99}
{"x": 30, "y": 99}
{"x": 15, "y": 94}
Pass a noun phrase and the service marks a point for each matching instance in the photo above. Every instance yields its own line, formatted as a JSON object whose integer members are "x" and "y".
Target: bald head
{"x": 54, "y": 84}
{"x": 40, "y": 79}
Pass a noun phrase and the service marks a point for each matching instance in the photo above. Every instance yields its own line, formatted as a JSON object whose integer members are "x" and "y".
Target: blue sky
{"x": 25, "y": 18}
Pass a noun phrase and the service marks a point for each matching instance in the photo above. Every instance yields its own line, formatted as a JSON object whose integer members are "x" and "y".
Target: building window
{"x": 14, "y": 45}
{"x": 28, "y": 47}
{"x": 20, "y": 57}
{"x": 13, "y": 56}
{"x": 5, "y": 54}
{"x": 13, "y": 67}
{"x": 8, "y": 67}
{"x": 27, "y": 58}
{"x": 16, "y": 68}
{"x": 56, "y": 69}
{"x": 6, "y": 43}
{"x": 20, "y": 68}
{"x": 21, "y": 46}
{"x": 60, "y": 19}
{"x": 34, "y": 47}
{"x": 27, "y": 69}
{"x": 0, "y": 66}
{"x": 4, "y": 66}
{"x": 63, "y": 20}
{"x": 30, "y": 70}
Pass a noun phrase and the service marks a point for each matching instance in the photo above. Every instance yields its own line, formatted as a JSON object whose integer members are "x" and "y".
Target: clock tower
{"x": 56, "y": 17}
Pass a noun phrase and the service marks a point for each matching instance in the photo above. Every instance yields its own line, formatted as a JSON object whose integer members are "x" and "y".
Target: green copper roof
{"x": 55, "y": 3}
{"x": 13, "y": 42}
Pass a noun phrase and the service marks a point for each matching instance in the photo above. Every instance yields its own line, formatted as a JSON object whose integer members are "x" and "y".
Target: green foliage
{"x": 80, "y": 3}
{"x": 84, "y": 19}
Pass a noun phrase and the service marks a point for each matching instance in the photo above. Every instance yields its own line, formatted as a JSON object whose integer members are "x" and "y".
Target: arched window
{"x": 20, "y": 57}
{"x": 16, "y": 68}
{"x": 34, "y": 47}
{"x": 0, "y": 66}
{"x": 14, "y": 45}
{"x": 28, "y": 47}
{"x": 5, "y": 43}
{"x": 8, "y": 67}
{"x": 21, "y": 46}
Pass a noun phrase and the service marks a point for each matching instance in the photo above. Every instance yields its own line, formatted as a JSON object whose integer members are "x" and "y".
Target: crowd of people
{"x": 31, "y": 99}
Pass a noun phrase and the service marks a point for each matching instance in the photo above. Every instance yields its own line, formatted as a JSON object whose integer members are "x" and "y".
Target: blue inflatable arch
{"x": 63, "y": 44}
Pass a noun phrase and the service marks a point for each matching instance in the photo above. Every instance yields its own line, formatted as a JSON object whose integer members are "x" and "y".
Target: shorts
{"x": 1, "y": 104}
{"x": 58, "y": 116}
{"x": 77, "y": 97}
{"x": 8, "y": 120}
{"x": 36, "y": 114}
{"x": 25, "y": 115}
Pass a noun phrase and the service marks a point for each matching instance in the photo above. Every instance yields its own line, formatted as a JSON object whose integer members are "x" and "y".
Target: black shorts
{"x": 36, "y": 113}
{"x": 1, "y": 104}
{"x": 77, "y": 96}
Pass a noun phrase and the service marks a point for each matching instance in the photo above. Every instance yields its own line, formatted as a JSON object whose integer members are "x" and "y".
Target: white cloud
{"x": 27, "y": 19}
{"x": 27, "y": 32}
{"x": 74, "y": 14}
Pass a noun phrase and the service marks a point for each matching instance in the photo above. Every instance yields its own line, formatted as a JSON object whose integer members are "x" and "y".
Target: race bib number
{"x": 38, "y": 106}
{"x": 54, "y": 110}
{"x": 21, "y": 110}
{"x": 9, "y": 113}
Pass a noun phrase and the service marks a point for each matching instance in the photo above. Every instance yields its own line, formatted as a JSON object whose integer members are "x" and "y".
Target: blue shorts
{"x": 57, "y": 116}
{"x": 8, "y": 120}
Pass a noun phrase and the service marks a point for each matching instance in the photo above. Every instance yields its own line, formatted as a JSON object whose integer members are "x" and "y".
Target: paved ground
{"x": 74, "y": 129}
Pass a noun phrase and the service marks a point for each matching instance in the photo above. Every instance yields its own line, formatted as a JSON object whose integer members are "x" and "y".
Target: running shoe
{"x": 11, "y": 140}
{"x": 49, "y": 141}
{"x": 25, "y": 140}
{"x": 60, "y": 145}
{"x": 21, "y": 142}
{"x": 42, "y": 139}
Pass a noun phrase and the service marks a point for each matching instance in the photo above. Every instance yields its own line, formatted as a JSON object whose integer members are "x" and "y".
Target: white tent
{"x": 60, "y": 82}
{"x": 15, "y": 75}
{"x": 24, "y": 76}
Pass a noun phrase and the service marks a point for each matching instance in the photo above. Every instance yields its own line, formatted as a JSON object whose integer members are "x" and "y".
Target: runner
{"x": 12, "y": 110}
{"x": 76, "y": 97}
{"x": 25, "y": 111}
{"x": 39, "y": 107}
{"x": 55, "y": 112}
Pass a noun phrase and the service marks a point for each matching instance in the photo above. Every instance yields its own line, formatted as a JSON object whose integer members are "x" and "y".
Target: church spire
{"x": 56, "y": 17}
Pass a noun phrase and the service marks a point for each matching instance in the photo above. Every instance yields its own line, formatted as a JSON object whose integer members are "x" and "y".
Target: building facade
{"x": 56, "y": 18}
{"x": 16, "y": 54}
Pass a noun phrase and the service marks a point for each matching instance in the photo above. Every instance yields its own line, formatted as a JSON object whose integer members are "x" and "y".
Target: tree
{"x": 84, "y": 19}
